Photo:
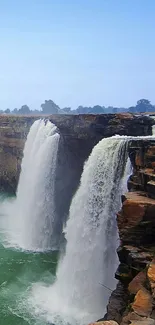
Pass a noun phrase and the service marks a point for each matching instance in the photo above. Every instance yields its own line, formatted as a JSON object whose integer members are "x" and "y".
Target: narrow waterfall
{"x": 127, "y": 174}
{"x": 80, "y": 293}
{"x": 153, "y": 126}
{"x": 33, "y": 211}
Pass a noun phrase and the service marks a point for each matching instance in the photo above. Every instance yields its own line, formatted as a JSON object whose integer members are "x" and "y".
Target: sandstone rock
{"x": 153, "y": 165}
{"x": 13, "y": 132}
{"x": 77, "y": 131}
{"x": 123, "y": 273}
{"x": 136, "y": 220}
{"x": 139, "y": 159}
{"x": 135, "y": 258}
{"x": 142, "y": 304}
{"x": 151, "y": 189}
{"x": 137, "y": 283}
{"x": 117, "y": 303}
{"x": 147, "y": 321}
{"x": 151, "y": 272}
{"x": 151, "y": 277}
{"x": 131, "y": 316}
{"x": 107, "y": 322}
{"x": 151, "y": 151}
{"x": 102, "y": 125}
{"x": 140, "y": 155}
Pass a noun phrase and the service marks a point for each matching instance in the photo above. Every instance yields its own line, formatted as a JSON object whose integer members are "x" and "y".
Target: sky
{"x": 79, "y": 52}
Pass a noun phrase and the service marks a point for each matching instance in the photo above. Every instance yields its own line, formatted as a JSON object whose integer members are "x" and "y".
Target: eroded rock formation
{"x": 79, "y": 134}
{"x": 13, "y": 133}
{"x": 133, "y": 301}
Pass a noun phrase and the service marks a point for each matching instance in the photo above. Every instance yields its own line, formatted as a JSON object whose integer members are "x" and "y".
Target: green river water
{"x": 18, "y": 271}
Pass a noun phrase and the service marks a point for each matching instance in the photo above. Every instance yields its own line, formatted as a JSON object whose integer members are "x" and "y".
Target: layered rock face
{"x": 133, "y": 301}
{"x": 79, "y": 134}
{"x": 13, "y": 133}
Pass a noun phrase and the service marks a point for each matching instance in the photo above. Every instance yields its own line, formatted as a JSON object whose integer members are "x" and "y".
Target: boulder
{"x": 151, "y": 273}
{"x": 136, "y": 220}
{"x": 146, "y": 321}
{"x": 117, "y": 303}
{"x": 137, "y": 283}
{"x": 151, "y": 277}
{"x": 132, "y": 317}
{"x": 106, "y": 322}
{"x": 142, "y": 304}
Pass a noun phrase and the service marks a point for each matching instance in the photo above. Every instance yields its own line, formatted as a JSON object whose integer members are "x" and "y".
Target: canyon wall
{"x": 13, "y": 133}
{"x": 134, "y": 298}
{"x": 133, "y": 301}
{"x": 79, "y": 134}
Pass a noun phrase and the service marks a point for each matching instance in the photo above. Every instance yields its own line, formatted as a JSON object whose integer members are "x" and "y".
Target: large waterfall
{"x": 80, "y": 293}
{"x": 32, "y": 214}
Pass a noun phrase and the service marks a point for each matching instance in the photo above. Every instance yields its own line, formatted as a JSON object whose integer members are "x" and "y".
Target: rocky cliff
{"x": 133, "y": 301}
{"x": 79, "y": 133}
{"x": 13, "y": 132}
{"x": 134, "y": 298}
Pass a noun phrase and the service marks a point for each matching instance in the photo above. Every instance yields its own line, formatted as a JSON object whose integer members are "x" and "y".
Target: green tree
{"x": 24, "y": 110}
{"x": 83, "y": 110}
{"x": 132, "y": 109}
{"x": 97, "y": 109}
{"x": 7, "y": 111}
{"x": 143, "y": 105}
{"x": 67, "y": 110}
{"x": 49, "y": 107}
{"x": 109, "y": 109}
{"x": 114, "y": 110}
{"x": 15, "y": 111}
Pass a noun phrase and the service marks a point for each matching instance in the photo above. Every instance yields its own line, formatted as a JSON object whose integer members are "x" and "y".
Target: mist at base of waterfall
{"x": 18, "y": 271}
{"x": 21, "y": 272}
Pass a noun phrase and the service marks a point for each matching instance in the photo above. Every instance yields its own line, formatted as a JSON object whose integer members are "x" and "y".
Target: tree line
{"x": 49, "y": 107}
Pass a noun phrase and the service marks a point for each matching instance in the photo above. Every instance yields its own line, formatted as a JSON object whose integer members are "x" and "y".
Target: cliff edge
{"x": 79, "y": 133}
{"x": 133, "y": 301}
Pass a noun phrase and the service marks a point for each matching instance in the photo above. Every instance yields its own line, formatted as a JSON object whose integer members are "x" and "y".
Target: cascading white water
{"x": 127, "y": 173}
{"x": 33, "y": 211}
{"x": 79, "y": 293}
{"x": 153, "y": 126}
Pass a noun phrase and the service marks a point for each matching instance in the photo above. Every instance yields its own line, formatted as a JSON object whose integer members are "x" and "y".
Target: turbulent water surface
{"x": 18, "y": 270}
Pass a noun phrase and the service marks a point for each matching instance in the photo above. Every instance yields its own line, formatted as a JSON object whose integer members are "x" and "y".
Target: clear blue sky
{"x": 79, "y": 52}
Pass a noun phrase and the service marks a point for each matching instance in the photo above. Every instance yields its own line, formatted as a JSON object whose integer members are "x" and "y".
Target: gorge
{"x": 84, "y": 209}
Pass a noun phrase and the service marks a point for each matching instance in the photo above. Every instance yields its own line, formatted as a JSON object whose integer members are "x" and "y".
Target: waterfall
{"x": 33, "y": 211}
{"x": 80, "y": 293}
{"x": 127, "y": 174}
{"x": 153, "y": 126}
